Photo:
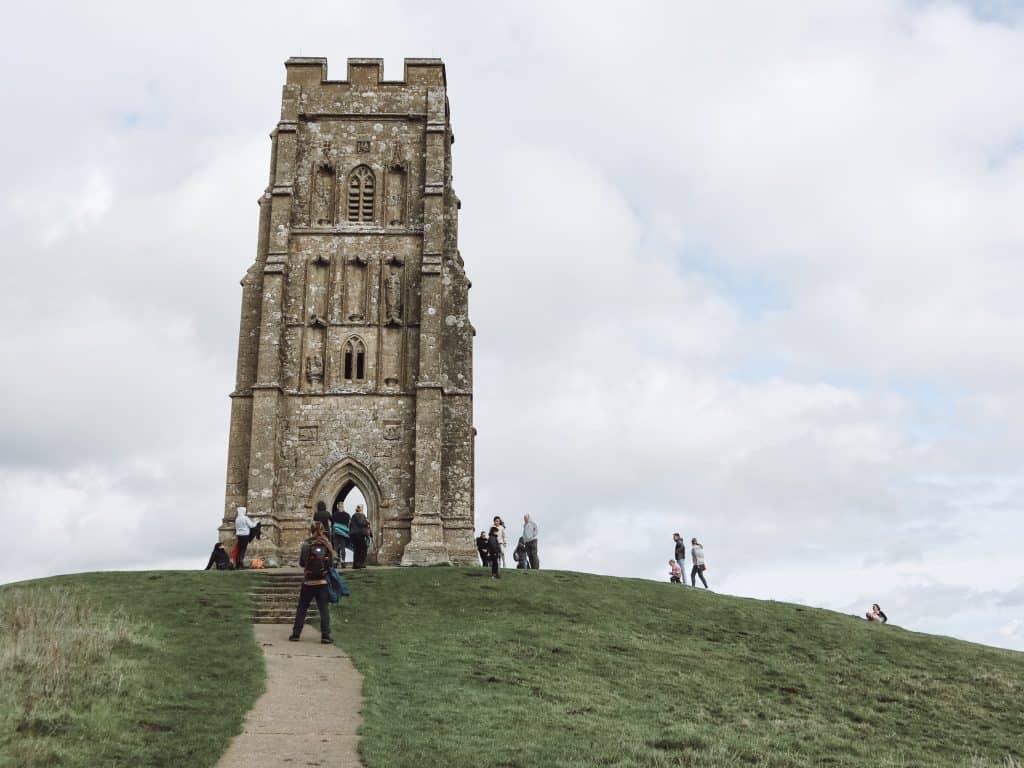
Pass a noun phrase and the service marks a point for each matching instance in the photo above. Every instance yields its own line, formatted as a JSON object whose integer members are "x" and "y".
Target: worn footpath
{"x": 310, "y": 712}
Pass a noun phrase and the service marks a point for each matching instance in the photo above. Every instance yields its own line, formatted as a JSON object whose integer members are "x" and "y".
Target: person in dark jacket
{"x": 322, "y": 516}
{"x": 339, "y": 528}
{"x": 680, "y": 554}
{"x": 315, "y": 558}
{"x": 220, "y": 558}
{"x": 481, "y": 548}
{"x": 359, "y": 531}
{"x": 494, "y": 551}
{"x": 521, "y": 556}
{"x": 877, "y": 614}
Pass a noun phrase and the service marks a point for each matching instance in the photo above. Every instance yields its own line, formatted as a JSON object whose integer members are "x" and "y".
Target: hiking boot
{"x": 294, "y": 638}
{"x": 326, "y": 640}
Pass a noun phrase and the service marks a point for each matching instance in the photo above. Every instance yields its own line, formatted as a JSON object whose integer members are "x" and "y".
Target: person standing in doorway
{"x": 243, "y": 528}
{"x": 697, "y": 555}
{"x": 530, "y": 540}
{"x": 322, "y": 516}
{"x": 315, "y": 559}
{"x": 680, "y": 554}
{"x": 339, "y": 531}
{"x": 494, "y": 550}
{"x": 359, "y": 532}
{"x": 502, "y": 538}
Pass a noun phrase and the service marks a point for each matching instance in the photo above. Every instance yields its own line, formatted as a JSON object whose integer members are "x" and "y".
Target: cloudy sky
{"x": 747, "y": 271}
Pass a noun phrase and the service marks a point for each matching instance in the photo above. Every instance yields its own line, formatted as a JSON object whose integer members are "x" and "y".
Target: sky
{"x": 745, "y": 271}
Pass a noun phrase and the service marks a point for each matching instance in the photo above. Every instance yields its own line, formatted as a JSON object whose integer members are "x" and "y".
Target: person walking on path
{"x": 494, "y": 550}
{"x": 520, "y": 556}
{"x": 359, "y": 530}
{"x": 530, "y": 540}
{"x": 339, "y": 531}
{"x": 680, "y": 554}
{"x": 697, "y": 555}
{"x": 675, "y": 572}
{"x": 502, "y": 538}
{"x": 315, "y": 558}
{"x": 243, "y": 528}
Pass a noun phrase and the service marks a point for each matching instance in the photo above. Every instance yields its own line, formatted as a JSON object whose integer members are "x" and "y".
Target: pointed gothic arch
{"x": 354, "y": 356}
{"x": 345, "y": 474}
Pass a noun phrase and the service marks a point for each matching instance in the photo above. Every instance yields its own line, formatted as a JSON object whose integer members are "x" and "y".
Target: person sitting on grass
{"x": 315, "y": 558}
{"x": 876, "y": 614}
{"x": 494, "y": 552}
{"x": 521, "y": 556}
{"x": 675, "y": 572}
{"x": 220, "y": 558}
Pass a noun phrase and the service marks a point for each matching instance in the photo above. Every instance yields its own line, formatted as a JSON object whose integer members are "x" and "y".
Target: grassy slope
{"x": 562, "y": 669}
{"x": 170, "y": 695}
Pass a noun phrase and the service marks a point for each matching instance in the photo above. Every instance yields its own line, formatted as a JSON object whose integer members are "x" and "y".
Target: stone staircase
{"x": 276, "y": 595}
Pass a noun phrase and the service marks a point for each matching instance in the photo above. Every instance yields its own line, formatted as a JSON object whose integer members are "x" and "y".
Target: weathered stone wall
{"x": 355, "y": 346}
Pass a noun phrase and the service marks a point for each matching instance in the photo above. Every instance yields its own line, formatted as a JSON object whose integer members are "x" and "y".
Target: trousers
{"x": 243, "y": 543}
{"x": 531, "y": 552}
{"x": 694, "y": 573}
{"x": 307, "y": 594}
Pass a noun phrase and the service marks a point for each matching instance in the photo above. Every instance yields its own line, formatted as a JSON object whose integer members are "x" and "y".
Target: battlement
{"x": 312, "y": 70}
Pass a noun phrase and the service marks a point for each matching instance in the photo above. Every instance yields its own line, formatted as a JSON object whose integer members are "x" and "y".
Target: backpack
{"x": 318, "y": 561}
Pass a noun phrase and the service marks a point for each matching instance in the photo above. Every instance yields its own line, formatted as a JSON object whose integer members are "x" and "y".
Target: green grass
{"x": 563, "y": 669}
{"x": 538, "y": 670}
{"x": 125, "y": 669}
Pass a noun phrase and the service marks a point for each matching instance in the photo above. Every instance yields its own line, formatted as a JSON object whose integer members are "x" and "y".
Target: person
{"x": 520, "y": 556}
{"x": 530, "y": 540}
{"x": 697, "y": 555}
{"x": 494, "y": 550}
{"x": 220, "y": 558}
{"x": 315, "y": 558}
{"x": 680, "y": 553}
{"x": 359, "y": 532}
{"x": 243, "y": 528}
{"x": 675, "y": 572}
{"x": 339, "y": 528}
{"x": 876, "y": 614}
{"x": 322, "y": 516}
{"x": 481, "y": 548}
{"x": 502, "y": 538}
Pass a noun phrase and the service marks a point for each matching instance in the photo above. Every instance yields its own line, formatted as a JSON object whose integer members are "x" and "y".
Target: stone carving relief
{"x": 396, "y": 187}
{"x": 314, "y": 368}
{"x": 393, "y": 296}
{"x": 316, "y": 321}
{"x": 393, "y": 429}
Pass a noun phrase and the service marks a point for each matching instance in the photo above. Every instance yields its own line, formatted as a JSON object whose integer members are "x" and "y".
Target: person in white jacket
{"x": 243, "y": 526}
{"x": 697, "y": 558}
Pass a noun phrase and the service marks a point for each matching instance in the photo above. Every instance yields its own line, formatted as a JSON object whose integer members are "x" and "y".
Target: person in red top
{"x": 316, "y": 557}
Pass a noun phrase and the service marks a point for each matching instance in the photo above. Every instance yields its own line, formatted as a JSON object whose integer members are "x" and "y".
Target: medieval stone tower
{"x": 355, "y": 349}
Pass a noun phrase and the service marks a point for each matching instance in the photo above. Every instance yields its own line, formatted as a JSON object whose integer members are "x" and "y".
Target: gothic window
{"x": 360, "y": 195}
{"x": 355, "y": 360}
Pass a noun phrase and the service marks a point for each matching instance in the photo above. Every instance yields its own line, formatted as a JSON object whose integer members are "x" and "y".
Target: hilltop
{"x": 556, "y": 669}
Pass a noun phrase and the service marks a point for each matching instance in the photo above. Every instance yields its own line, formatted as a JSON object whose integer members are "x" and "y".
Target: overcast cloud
{"x": 746, "y": 271}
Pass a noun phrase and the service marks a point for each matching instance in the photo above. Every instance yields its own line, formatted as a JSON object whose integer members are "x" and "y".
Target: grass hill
{"x": 537, "y": 669}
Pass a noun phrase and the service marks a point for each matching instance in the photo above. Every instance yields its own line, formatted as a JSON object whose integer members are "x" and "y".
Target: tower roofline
{"x": 310, "y": 70}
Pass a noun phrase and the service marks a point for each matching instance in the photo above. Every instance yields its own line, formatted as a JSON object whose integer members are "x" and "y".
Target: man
{"x": 680, "y": 553}
{"x": 359, "y": 532}
{"x": 243, "y": 528}
{"x": 481, "y": 548}
{"x": 530, "y": 540}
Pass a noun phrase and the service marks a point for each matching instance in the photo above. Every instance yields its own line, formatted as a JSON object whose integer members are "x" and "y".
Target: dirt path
{"x": 284, "y": 728}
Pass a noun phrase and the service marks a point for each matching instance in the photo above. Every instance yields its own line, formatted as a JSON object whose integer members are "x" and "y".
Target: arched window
{"x": 360, "y": 195}
{"x": 355, "y": 360}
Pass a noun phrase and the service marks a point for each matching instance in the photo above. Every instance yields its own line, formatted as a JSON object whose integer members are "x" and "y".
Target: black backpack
{"x": 318, "y": 561}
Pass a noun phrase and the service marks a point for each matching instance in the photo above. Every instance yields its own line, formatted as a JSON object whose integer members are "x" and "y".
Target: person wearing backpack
{"x": 315, "y": 558}
{"x": 339, "y": 531}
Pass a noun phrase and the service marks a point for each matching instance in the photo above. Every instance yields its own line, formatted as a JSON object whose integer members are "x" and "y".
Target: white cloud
{"x": 742, "y": 271}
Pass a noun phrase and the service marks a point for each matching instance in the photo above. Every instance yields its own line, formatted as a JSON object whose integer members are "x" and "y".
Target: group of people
{"x": 677, "y": 565}
{"x": 346, "y": 531}
{"x": 491, "y": 546}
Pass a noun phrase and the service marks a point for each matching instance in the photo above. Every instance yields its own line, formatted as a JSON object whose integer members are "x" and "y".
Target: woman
{"x": 697, "y": 555}
{"x": 876, "y": 614}
{"x": 502, "y": 539}
{"x": 315, "y": 558}
{"x": 339, "y": 528}
{"x": 322, "y": 516}
{"x": 243, "y": 528}
{"x": 359, "y": 535}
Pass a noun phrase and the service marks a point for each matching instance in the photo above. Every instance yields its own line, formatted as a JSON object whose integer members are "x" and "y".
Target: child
{"x": 481, "y": 548}
{"x": 494, "y": 551}
{"x": 521, "y": 556}
{"x": 675, "y": 572}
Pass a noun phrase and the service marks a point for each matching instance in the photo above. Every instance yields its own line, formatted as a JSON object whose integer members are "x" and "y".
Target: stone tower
{"x": 355, "y": 364}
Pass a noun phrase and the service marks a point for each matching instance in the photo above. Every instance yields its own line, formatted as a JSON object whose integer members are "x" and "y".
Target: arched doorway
{"x": 353, "y": 483}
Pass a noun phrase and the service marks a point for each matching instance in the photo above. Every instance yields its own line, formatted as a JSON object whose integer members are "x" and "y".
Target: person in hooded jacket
{"x": 339, "y": 528}
{"x": 494, "y": 550}
{"x": 220, "y": 558}
{"x": 322, "y": 516}
{"x": 243, "y": 529}
{"x": 521, "y": 556}
{"x": 359, "y": 531}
